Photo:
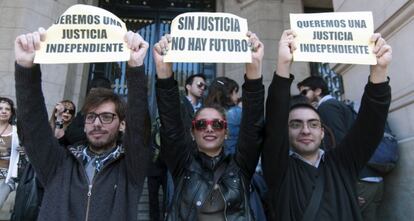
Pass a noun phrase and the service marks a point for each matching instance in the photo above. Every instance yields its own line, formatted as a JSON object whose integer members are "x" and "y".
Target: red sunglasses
{"x": 216, "y": 124}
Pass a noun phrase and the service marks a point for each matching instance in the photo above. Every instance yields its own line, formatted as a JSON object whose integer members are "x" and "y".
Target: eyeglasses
{"x": 216, "y": 124}
{"x": 311, "y": 124}
{"x": 104, "y": 118}
{"x": 69, "y": 111}
{"x": 201, "y": 85}
{"x": 304, "y": 92}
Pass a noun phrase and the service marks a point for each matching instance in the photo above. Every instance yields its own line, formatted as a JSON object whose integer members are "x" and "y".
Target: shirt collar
{"x": 196, "y": 106}
{"x": 321, "y": 156}
{"x": 325, "y": 98}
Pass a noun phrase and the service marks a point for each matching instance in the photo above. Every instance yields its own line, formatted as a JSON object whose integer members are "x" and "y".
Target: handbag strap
{"x": 315, "y": 201}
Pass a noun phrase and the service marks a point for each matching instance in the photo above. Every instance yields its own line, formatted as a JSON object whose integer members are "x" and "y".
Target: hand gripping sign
{"x": 209, "y": 38}
{"x": 84, "y": 34}
{"x": 338, "y": 37}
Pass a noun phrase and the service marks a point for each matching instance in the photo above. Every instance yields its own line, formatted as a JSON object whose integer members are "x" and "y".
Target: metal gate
{"x": 153, "y": 23}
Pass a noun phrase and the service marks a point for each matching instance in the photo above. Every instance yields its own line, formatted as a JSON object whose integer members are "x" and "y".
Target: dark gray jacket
{"x": 116, "y": 188}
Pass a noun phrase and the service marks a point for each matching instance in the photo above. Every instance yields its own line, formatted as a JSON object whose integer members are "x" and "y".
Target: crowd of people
{"x": 216, "y": 156}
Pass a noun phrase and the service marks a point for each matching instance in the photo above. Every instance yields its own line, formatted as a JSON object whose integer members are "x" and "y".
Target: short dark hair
{"x": 100, "y": 82}
{"x": 299, "y": 99}
{"x": 99, "y": 96}
{"x": 315, "y": 82}
{"x": 217, "y": 107}
{"x": 11, "y": 104}
{"x": 220, "y": 91}
{"x": 303, "y": 105}
{"x": 189, "y": 80}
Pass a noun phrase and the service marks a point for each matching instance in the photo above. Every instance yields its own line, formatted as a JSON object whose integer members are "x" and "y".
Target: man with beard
{"x": 305, "y": 182}
{"x": 101, "y": 179}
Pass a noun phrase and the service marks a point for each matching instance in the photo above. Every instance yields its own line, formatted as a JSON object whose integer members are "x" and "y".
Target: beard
{"x": 102, "y": 144}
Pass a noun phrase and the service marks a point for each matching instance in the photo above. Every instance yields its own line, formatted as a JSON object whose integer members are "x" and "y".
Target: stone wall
{"x": 395, "y": 21}
{"x": 268, "y": 19}
{"x": 60, "y": 81}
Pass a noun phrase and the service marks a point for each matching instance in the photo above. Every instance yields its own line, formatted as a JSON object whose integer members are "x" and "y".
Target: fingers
{"x": 383, "y": 50}
{"x": 30, "y": 42}
{"x": 161, "y": 47}
{"x": 22, "y": 41}
{"x": 288, "y": 39}
{"x": 164, "y": 43}
{"x": 375, "y": 37}
{"x": 157, "y": 49}
{"x": 381, "y": 47}
{"x": 379, "y": 42}
{"x": 42, "y": 33}
{"x": 288, "y": 33}
{"x": 254, "y": 41}
{"x": 135, "y": 42}
{"x": 36, "y": 40}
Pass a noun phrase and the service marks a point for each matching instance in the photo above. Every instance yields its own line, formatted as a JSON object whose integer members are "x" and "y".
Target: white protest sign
{"x": 84, "y": 34}
{"x": 209, "y": 38}
{"x": 338, "y": 37}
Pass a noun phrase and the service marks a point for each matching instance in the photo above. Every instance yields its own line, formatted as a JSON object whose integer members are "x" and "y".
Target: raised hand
{"x": 286, "y": 48}
{"x": 254, "y": 69}
{"x": 139, "y": 48}
{"x": 383, "y": 52}
{"x": 59, "y": 111}
{"x": 164, "y": 70}
{"x": 25, "y": 47}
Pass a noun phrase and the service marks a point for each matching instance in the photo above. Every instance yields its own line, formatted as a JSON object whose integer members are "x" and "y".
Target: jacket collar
{"x": 84, "y": 155}
{"x": 210, "y": 163}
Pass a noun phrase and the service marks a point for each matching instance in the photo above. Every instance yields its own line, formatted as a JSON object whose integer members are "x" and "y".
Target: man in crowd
{"x": 75, "y": 133}
{"x": 306, "y": 182}
{"x": 338, "y": 117}
{"x": 334, "y": 114}
{"x": 195, "y": 85}
{"x": 101, "y": 179}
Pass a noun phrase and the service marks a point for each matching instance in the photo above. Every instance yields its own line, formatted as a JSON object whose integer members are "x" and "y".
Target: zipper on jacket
{"x": 88, "y": 202}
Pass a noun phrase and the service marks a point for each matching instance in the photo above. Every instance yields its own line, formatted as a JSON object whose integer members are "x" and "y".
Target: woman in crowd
{"x": 209, "y": 184}
{"x": 61, "y": 117}
{"x": 9, "y": 154}
{"x": 223, "y": 91}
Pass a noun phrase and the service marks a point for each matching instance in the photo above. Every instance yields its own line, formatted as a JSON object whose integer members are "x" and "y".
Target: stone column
{"x": 268, "y": 19}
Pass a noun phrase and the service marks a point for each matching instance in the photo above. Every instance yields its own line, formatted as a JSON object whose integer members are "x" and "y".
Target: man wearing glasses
{"x": 195, "y": 85}
{"x": 305, "y": 182}
{"x": 101, "y": 179}
{"x": 334, "y": 114}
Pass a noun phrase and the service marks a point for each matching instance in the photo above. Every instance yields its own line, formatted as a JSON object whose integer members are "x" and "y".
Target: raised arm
{"x": 138, "y": 129}
{"x": 41, "y": 146}
{"x": 363, "y": 138}
{"x": 251, "y": 126}
{"x": 276, "y": 143}
{"x": 174, "y": 149}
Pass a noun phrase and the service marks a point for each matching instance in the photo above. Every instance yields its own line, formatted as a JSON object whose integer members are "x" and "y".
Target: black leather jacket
{"x": 193, "y": 171}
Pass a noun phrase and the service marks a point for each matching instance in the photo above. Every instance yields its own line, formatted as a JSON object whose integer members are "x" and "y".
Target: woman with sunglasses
{"x": 210, "y": 185}
{"x": 9, "y": 153}
{"x": 61, "y": 117}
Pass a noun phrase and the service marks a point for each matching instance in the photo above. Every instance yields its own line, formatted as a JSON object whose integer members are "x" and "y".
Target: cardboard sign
{"x": 209, "y": 38}
{"x": 339, "y": 37}
{"x": 84, "y": 34}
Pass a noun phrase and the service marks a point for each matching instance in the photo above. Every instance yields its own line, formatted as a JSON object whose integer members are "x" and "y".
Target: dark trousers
{"x": 372, "y": 195}
{"x": 154, "y": 184}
